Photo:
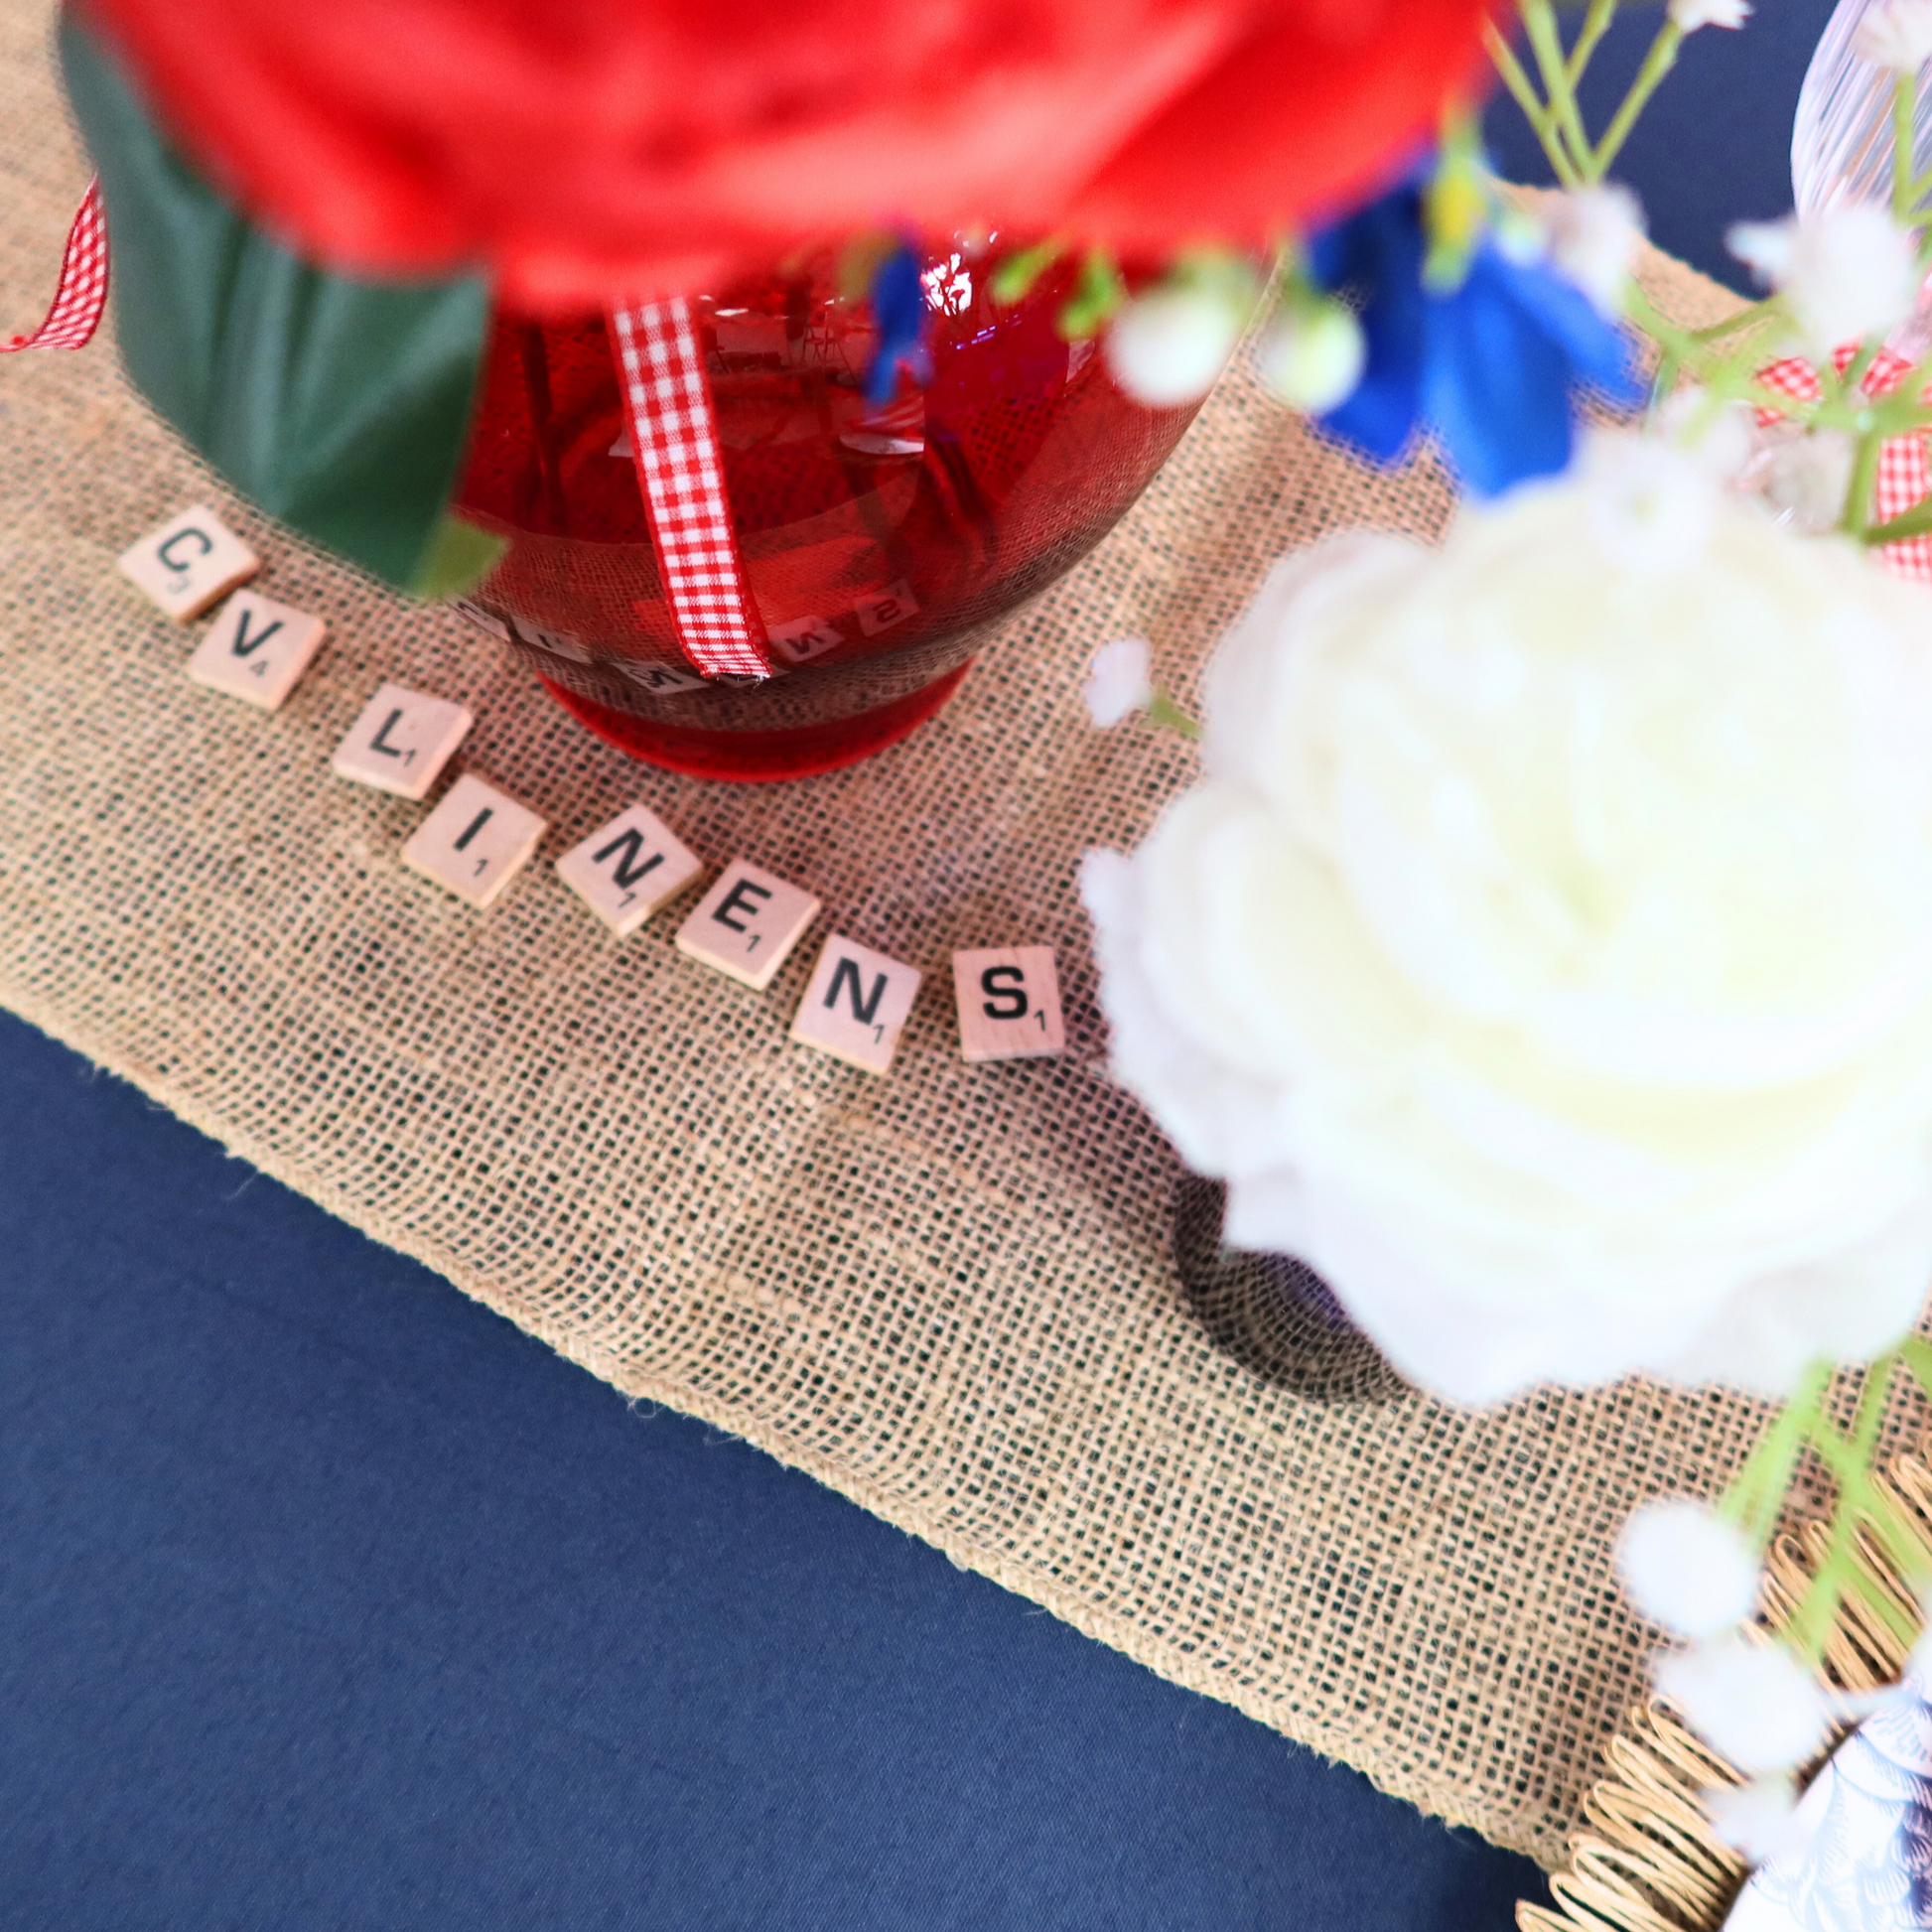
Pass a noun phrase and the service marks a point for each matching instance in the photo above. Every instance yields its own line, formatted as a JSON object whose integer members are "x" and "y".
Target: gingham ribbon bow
{"x": 681, "y": 470}
{"x": 82, "y": 296}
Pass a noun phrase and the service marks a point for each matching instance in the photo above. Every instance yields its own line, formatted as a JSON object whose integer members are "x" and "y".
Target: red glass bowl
{"x": 881, "y": 546}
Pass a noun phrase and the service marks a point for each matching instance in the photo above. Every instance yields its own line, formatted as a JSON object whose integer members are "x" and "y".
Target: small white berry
{"x": 1167, "y": 346}
{"x": 1686, "y": 1568}
{"x": 1311, "y": 355}
{"x": 1753, "y": 1703}
{"x": 1118, "y": 681}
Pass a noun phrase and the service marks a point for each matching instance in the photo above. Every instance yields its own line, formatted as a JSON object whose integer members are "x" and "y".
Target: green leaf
{"x": 1012, "y": 281}
{"x": 1095, "y": 297}
{"x": 340, "y": 405}
{"x": 459, "y": 556}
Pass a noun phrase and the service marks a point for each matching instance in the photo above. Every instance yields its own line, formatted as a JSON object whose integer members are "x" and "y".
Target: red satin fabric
{"x": 585, "y": 149}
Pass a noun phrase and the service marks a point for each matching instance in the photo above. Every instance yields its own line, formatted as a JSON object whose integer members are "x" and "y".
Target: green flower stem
{"x": 1656, "y": 63}
{"x": 1758, "y": 1489}
{"x": 1755, "y": 312}
{"x": 1917, "y": 1353}
{"x": 1863, "y": 1510}
{"x": 1540, "y": 18}
{"x": 1811, "y": 1620}
{"x": 1854, "y": 373}
{"x": 1163, "y": 711}
{"x": 1727, "y": 374}
{"x": 1857, "y": 519}
{"x": 1916, "y": 522}
{"x": 1541, "y": 119}
{"x": 1596, "y": 24}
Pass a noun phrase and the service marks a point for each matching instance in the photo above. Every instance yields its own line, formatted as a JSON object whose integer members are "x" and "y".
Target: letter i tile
{"x": 476, "y": 841}
{"x": 857, "y": 1005}
{"x": 748, "y": 923}
{"x": 401, "y": 741}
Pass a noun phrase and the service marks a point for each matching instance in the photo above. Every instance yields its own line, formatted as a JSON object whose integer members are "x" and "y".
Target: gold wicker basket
{"x": 1646, "y": 1859}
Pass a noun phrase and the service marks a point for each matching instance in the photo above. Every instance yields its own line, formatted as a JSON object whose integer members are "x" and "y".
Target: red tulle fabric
{"x": 584, "y": 148}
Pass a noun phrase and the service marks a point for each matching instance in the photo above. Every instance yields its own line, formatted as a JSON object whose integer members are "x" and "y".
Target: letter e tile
{"x": 748, "y": 923}
{"x": 857, "y": 1005}
{"x": 191, "y": 562}
{"x": 401, "y": 741}
{"x": 476, "y": 841}
{"x": 1009, "y": 1003}
{"x": 628, "y": 868}
{"x": 257, "y": 649}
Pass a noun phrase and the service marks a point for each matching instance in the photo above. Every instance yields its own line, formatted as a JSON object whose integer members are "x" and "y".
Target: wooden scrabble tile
{"x": 559, "y": 643}
{"x": 893, "y": 605}
{"x": 192, "y": 561}
{"x": 804, "y": 639}
{"x": 1009, "y": 1003}
{"x": 476, "y": 841}
{"x": 660, "y": 680}
{"x": 257, "y": 649}
{"x": 474, "y": 612}
{"x": 748, "y": 923}
{"x": 857, "y": 1005}
{"x": 628, "y": 868}
{"x": 401, "y": 741}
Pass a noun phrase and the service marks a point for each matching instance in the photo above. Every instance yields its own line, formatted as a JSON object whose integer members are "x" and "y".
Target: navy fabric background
{"x": 1714, "y": 145}
{"x": 328, "y": 1599}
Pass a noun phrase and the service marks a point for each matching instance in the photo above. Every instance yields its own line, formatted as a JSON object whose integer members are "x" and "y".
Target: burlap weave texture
{"x": 950, "y": 1294}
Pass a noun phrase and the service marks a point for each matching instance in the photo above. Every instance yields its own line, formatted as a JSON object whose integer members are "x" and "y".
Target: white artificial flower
{"x": 1755, "y": 1820}
{"x": 1895, "y": 34}
{"x": 1169, "y": 346}
{"x": 1593, "y": 237}
{"x": 1311, "y": 355}
{"x": 1803, "y": 477}
{"x": 1686, "y": 1568}
{"x": 1650, "y": 505}
{"x": 1118, "y": 681}
{"x": 1546, "y": 953}
{"x": 1849, "y": 274}
{"x": 1754, "y": 1704}
{"x": 1689, "y": 15}
{"x": 1719, "y": 438}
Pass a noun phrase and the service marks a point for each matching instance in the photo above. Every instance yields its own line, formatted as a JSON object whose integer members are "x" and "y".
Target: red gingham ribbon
{"x": 82, "y": 294}
{"x": 1904, "y": 476}
{"x": 681, "y": 469}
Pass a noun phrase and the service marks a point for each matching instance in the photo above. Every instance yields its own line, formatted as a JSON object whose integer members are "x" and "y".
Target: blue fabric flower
{"x": 1492, "y": 365}
{"x": 899, "y": 307}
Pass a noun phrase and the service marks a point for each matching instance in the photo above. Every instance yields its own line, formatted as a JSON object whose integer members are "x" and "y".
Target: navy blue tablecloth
{"x": 328, "y": 1599}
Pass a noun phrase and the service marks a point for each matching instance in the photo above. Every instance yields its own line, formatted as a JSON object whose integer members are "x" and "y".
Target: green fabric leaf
{"x": 459, "y": 556}
{"x": 341, "y": 406}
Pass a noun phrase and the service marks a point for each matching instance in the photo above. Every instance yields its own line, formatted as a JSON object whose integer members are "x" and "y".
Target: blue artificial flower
{"x": 1492, "y": 365}
{"x": 899, "y": 307}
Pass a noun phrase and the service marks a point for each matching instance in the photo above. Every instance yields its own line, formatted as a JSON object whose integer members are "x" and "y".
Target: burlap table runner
{"x": 950, "y": 1294}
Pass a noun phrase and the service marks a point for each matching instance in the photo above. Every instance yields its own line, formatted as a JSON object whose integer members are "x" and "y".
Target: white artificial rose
{"x": 1546, "y": 953}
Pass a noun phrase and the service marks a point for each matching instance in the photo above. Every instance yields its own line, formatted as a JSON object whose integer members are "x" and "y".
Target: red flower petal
{"x": 582, "y": 149}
